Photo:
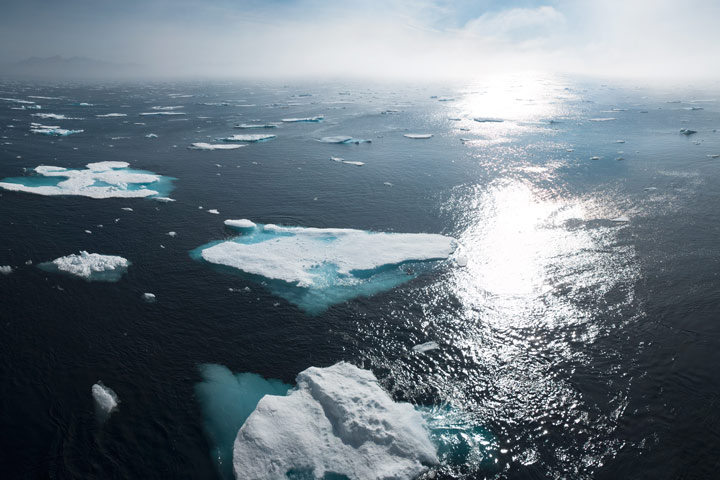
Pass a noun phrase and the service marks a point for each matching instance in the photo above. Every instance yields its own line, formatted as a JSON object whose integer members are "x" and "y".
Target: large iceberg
{"x": 337, "y": 421}
{"x": 258, "y": 137}
{"x": 318, "y": 267}
{"x": 98, "y": 180}
{"x": 90, "y": 266}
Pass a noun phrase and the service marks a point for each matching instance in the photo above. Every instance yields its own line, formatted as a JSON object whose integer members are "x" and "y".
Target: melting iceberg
{"x": 53, "y": 130}
{"x": 258, "y": 137}
{"x": 90, "y": 266}
{"x": 418, "y": 136}
{"x": 343, "y": 140}
{"x": 315, "y": 268}
{"x": 213, "y": 146}
{"x": 316, "y": 119}
{"x": 98, "y": 180}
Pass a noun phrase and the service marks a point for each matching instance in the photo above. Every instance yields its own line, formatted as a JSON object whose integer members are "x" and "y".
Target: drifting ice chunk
{"x": 213, "y": 211}
{"x": 53, "y": 116}
{"x": 249, "y": 138}
{"x": 338, "y": 420}
{"x": 145, "y": 114}
{"x": 620, "y": 219}
{"x": 176, "y": 107}
{"x": 687, "y": 131}
{"x": 53, "y": 130}
{"x": 488, "y": 120}
{"x": 105, "y": 399}
{"x": 316, "y": 119}
{"x": 149, "y": 297}
{"x": 151, "y": 135}
{"x": 5, "y": 269}
{"x": 343, "y": 140}
{"x": 255, "y": 125}
{"x": 315, "y": 267}
{"x": 603, "y": 119}
{"x": 112, "y": 115}
{"x": 99, "y": 180}
{"x": 243, "y": 223}
{"x": 16, "y": 100}
{"x": 418, "y": 136}
{"x": 213, "y": 146}
{"x": 90, "y": 266}
{"x": 426, "y": 347}
{"x": 349, "y": 162}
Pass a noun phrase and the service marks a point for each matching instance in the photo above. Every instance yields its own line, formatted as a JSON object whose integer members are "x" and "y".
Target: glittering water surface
{"x": 575, "y": 327}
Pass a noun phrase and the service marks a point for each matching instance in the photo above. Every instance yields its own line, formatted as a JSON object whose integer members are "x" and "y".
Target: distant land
{"x": 72, "y": 68}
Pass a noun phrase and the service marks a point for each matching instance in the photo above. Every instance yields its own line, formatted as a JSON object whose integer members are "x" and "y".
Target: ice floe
{"x": 106, "y": 400}
{"x": 318, "y": 267}
{"x": 687, "y": 131}
{"x": 174, "y": 107}
{"x": 418, "y": 136}
{"x": 620, "y": 219}
{"x": 348, "y": 162}
{"x": 149, "y": 297}
{"x": 90, "y": 266}
{"x": 426, "y": 347}
{"x": 146, "y": 114}
{"x": 53, "y": 130}
{"x": 602, "y": 119}
{"x": 258, "y": 137}
{"x": 213, "y": 146}
{"x": 111, "y": 115}
{"x": 488, "y": 120}
{"x": 98, "y": 180}
{"x": 243, "y": 223}
{"x": 53, "y": 116}
{"x": 5, "y": 269}
{"x": 151, "y": 135}
{"x": 255, "y": 125}
{"x": 315, "y": 119}
{"x": 337, "y": 421}
{"x": 343, "y": 139}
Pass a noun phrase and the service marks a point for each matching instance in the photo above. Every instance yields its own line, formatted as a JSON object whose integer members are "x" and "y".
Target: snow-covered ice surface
{"x": 258, "y": 137}
{"x": 339, "y": 421}
{"x": 315, "y": 268}
{"x": 213, "y": 146}
{"x": 98, "y": 180}
{"x": 90, "y": 266}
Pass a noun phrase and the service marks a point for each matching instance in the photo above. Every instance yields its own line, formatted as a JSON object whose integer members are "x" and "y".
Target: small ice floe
{"x": 17, "y": 100}
{"x": 255, "y": 125}
{"x": 175, "y": 107}
{"x": 89, "y": 232}
{"x": 388, "y": 184}
{"x": 53, "y": 116}
{"x": 151, "y": 135}
{"x": 649, "y": 189}
{"x": 251, "y": 138}
{"x": 85, "y": 104}
{"x": 687, "y": 131}
{"x": 5, "y": 269}
{"x": 146, "y": 114}
{"x": 488, "y": 120}
{"x": 243, "y": 223}
{"x": 111, "y": 115}
{"x": 620, "y": 159}
{"x": 164, "y": 199}
{"x": 455, "y": 119}
{"x": 90, "y": 266}
{"x": 418, "y": 136}
{"x": 172, "y": 234}
{"x": 318, "y": 118}
{"x": 213, "y": 211}
{"x": 594, "y": 158}
{"x": 53, "y": 130}
{"x": 619, "y": 141}
{"x": 127, "y": 209}
{"x": 106, "y": 400}
{"x": 426, "y": 347}
{"x": 461, "y": 261}
{"x": 213, "y": 146}
{"x": 695, "y": 108}
{"x": 602, "y": 119}
{"x": 348, "y": 162}
{"x": 343, "y": 140}
{"x": 714, "y": 155}
{"x": 148, "y": 297}
{"x": 620, "y": 219}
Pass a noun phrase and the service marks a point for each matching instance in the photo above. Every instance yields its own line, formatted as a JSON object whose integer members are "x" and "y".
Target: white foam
{"x": 258, "y": 137}
{"x": 81, "y": 182}
{"x": 418, "y": 136}
{"x": 242, "y": 223}
{"x": 105, "y": 398}
{"x": 175, "y": 107}
{"x": 111, "y": 115}
{"x": 151, "y": 135}
{"x": 86, "y": 264}
{"x": 6, "y": 269}
{"x": 16, "y": 100}
{"x": 296, "y": 254}
{"x": 338, "y": 420}
{"x": 213, "y": 146}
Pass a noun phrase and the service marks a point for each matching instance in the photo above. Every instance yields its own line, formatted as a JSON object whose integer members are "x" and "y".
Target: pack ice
{"x": 97, "y": 180}
{"x": 318, "y": 267}
{"x": 337, "y": 421}
{"x": 90, "y": 266}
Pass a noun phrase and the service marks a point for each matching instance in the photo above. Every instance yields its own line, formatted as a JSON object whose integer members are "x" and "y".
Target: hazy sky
{"x": 396, "y": 38}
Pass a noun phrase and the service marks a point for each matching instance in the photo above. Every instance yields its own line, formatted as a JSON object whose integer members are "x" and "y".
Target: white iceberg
{"x": 248, "y": 138}
{"x": 348, "y": 162}
{"x": 317, "y": 267}
{"x": 90, "y": 266}
{"x": 53, "y": 130}
{"x": 602, "y": 119}
{"x": 53, "y": 116}
{"x": 426, "y": 347}
{"x": 146, "y": 114}
{"x": 213, "y": 211}
{"x": 343, "y": 140}
{"x": 243, "y": 223}
{"x": 98, "y": 180}
{"x": 418, "y": 136}
{"x": 339, "y": 421}
{"x": 106, "y": 400}
{"x": 111, "y": 115}
{"x": 174, "y": 107}
{"x": 213, "y": 146}
{"x": 149, "y": 297}
{"x": 6, "y": 269}
{"x": 318, "y": 118}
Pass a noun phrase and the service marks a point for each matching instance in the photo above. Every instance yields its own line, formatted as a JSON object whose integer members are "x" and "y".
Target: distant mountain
{"x": 69, "y": 68}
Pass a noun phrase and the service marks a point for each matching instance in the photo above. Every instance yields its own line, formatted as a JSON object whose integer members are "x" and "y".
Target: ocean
{"x": 574, "y": 324}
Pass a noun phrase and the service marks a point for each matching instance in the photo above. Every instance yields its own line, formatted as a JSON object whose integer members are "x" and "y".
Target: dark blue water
{"x": 586, "y": 347}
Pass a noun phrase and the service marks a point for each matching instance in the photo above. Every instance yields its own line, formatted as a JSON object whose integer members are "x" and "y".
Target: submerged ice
{"x": 90, "y": 266}
{"x": 318, "y": 267}
{"x": 97, "y": 180}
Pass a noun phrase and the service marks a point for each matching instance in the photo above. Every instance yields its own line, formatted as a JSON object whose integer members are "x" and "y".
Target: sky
{"x": 415, "y": 39}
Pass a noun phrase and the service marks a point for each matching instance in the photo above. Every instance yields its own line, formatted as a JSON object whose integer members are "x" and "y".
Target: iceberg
{"x": 418, "y": 136}
{"x": 175, "y": 107}
{"x": 53, "y": 116}
{"x": 426, "y": 347}
{"x": 316, "y": 119}
{"x": 348, "y": 162}
{"x": 488, "y": 120}
{"x": 5, "y": 269}
{"x": 315, "y": 268}
{"x": 111, "y": 115}
{"x": 89, "y": 266}
{"x": 240, "y": 224}
{"x": 106, "y": 401}
{"x": 213, "y": 146}
{"x": 52, "y": 130}
{"x": 338, "y": 421}
{"x": 255, "y": 125}
{"x": 343, "y": 140}
{"x": 249, "y": 138}
{"x": 687, "y": 131}
{"x": 145, "y": 114}
{"x": 98, "y": 180}
{"x": 149, "y": 297}
{"x": 602, "y": 119}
